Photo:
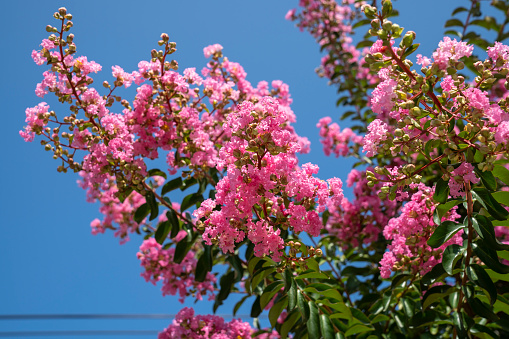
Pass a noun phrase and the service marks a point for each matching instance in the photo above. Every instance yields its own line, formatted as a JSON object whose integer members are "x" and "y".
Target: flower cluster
{"x": 409, "y": 233}
{"x": 176, "y": 277}
{"x": 264, "y": 191}
{"x": 334, "y": 140}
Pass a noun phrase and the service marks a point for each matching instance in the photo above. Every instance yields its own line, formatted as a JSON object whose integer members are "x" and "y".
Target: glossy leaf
{"x": 501, "y": 173}
{"x": 303, "y": 306}
{"x": 141, "y": 213}
{"x": 478, "y": 276}
{"x": 156, "y": 171}
{"x": 487, "y": 259}
{"x": 276, "y": 309}
{"x": 326, "y": 327}
{"x": 359, "y": 328}
{"x": 174, "y": 221}
{"x": 486, "y": 231}
{"x": 450, "y": 257}
{"x": 171, "y": 185}
{"x": 190, "y": 200}
{"x": 324, "y": 290}
{"x": 204, "y": 264}
{"x": 269, "y": 292}
{"x": 489, "y": 203}
{"x": 290, "y": 321}
{"x": 441, "y": 191}
{"x": 487, "y": 179}
{"x": 443, "y": 233}
{"x": 313, "y": 323}
{"x": 163, "y": 229}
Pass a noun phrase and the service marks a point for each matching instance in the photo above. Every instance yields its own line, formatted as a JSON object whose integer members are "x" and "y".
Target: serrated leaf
{"x": 443, "y": 233}
{"x": 171, "y": 185}
{"x": 450, "y": 257}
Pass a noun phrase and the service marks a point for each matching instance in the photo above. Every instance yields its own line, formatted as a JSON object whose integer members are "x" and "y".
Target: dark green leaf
{"x": 275, "y": 311}
{"x": 481, "y": 330}
{"x": 450, "y": 257}
{"x": 154, "y": 206}
{"x": 399, "y": 279}
{"x": 487, "y": 178}
{"x": 236, "y": 263}
{"x": 410, "y": 50}
{"x": 204, "y": 264}
{"x": 326, "y": 327}
{"x": 255, "y": 309}
{"x": 171, "y": 185}
{"x": 141, "y": 213}
{"x": 358, "y": 328}
{"x": 190, "y": 200}
{"x": 181, "y": 249}
{"x": 162, "y": 231}
{"x": 361, "y": 23}
{"x": 459, "y": 10}
{"x": 303, "y": 306}
{"x": 481, "y": 309}
{"x": 489, "y": 203}
{"x": 443, "y": 233}
{"x": 436, "y": 293}
{"x": 313, "y": 323}
{"x": 429, "y": 317}
{"x": 486, "y": 231}
{"x": 478, "y": 275}
{"x": 156, "y": 171}
{"x": 290, "y": 321}
{"x": 433, "y": 276}
{"x": 324, "y": 290}
{"x": 441, "y": 191}
{"x": 453, "y": 22}
{"x": 175, "y": 224}
{"x": 239, "y": 304}
{"x": 188, "y": 183}
{"x": 226, "y": 283}
{"x": 292, "y": 296}
{"x": 488, "y": 259}
{"x": 269, "y": 292}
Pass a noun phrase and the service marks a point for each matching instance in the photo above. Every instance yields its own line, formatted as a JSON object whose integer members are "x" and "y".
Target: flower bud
{"x": 387, "y": 8}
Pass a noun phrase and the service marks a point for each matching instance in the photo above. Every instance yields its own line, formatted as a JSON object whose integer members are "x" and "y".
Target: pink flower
{"x": 377, "y": 133}
{"x": 211, "y": 50}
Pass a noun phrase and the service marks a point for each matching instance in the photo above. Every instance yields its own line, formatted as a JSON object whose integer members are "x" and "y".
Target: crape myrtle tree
{"x": 420, "y": 250}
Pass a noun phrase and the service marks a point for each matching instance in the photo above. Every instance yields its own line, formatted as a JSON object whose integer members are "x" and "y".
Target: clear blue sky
{"x": 50, "y": 263}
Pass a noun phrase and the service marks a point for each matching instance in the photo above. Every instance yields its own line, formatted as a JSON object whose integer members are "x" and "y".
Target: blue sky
{"x": 50, "y": 263}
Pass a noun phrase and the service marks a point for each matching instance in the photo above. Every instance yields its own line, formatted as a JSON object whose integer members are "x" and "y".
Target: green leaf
{"x": 488, "y": 260}
{"x": 269, "y": 292}
{"x": 313, "y": 323}
{"x": 344, "y": 311}
{"x": 162, "y": 231}
{"x": 459, "y": 10}
{"x": 483, "y": 332}
{"x": 435, "y": 275}
{"x": 361, "y": 23}
{"x": 410, "y": 50}
{"x": 175, "y": 224}
{"x": 502, "y": 197}
{"x": 358, "y": 328}
{"x": 204, "y": 264}
{"x": 397, "y": 280}
{"x": 487, "y": 178}
{"x": 275, "y": 311}
{"x": 292, "y": 296}
{"x": 453, "y": 22}
{"x": 188, "y": 183}
{"x": 324, "y": 290}
{"x": 442, "y": 210}
{"x": 427, "y": 318}
{"x": 326, "y": 327}
{"x": 154, "y": 206}
{"x": 478, "y": 275}
{"x": 501, "y": 173}
{"x": 441, "y": 191}
{"x": 141, "y": 213}
{"x": 171, "y": 185}
{"x": 443, "y": 233}
{"x": 486, "y": 231}
{"x": 290, "y": 321}
{"x": 156, "y": 171}
{"x": 190, "y": 200}
{"x": 255, "y": 309}
{"x": 489, "y": 203}
{"x": 311, "y": 275}
{"x": 181, "y": 249}
{"x": 450, "y": 257}
{"x": 239, "y": 304}
{"x": 481, "y": 309}
{"x": 303, "y": 306}
{"x": 226, "y": 284}
{"x": 379, "y": 318}
{"x": 436, "y": 293}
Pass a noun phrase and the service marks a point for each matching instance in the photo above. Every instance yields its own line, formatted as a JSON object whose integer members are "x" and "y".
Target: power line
{"x": 17, "y": 334}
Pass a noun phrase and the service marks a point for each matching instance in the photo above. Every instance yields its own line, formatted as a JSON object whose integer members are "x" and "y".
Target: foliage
{"x": 422, "y": 250}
